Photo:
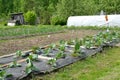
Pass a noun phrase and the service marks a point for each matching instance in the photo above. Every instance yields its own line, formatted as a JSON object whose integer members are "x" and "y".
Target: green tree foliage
{"x": 30, "y": 17}
{"x": 6, "y": 6}
{"x": 57, "y": 11}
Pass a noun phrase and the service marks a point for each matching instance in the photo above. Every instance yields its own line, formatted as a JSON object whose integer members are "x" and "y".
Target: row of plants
{"x": 89, "y": 42}
{"x": 102, "y": 39}
{"x": 24, "y": 30}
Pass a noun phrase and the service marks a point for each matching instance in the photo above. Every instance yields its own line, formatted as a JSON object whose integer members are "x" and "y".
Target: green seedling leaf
{"x": 35, "y": 50}
{"x": 77, "y": 47}
{"x": 87, "y": 44}
{"x": 52, "y": 46}
{"x": 28, "y": 70}
{"x": 47, "y": 51}
{"x": 18, "y": 54}
{"x": 62, "y": 42}
{"x": 60, "y": 55}
{"x": 3, "y": 74}
{"x": 70, "y": 42}
{"x": 62, "y": 47}
{"x": 33, "y": 57}
{"x": 14, "y": 64}
{"x": 30, "y": 67}
{"x": 52, "y": 62}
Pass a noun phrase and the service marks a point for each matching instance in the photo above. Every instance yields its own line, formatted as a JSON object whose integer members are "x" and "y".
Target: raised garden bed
{"x": 52, "y": 57}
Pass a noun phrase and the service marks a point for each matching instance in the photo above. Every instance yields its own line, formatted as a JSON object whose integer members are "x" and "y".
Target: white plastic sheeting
{"x": 97, "y": 20}
{"x": 11, "y": 24}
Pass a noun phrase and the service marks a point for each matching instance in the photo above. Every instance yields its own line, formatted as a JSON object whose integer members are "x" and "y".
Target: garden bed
{"x": 52, "y": 57}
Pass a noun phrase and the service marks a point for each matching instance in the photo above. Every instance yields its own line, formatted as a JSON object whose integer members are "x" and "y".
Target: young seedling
{"x": 52, "y": 46}
{"x": 60, "y": 55}
{"x": 14, "y": 64}
{"x": 33, "y": 57}
{"x": 77, "y": 49}
{"x": 18, "y": 54}
{"x": 30, "y": 67}
{"x": 70, "y": 42}
{"x": 62, "y": 42}
{"x": 47, "y": 51}
{"x": 62, "y": 47}
{"x": 4, "y": 75}
{"x": 88, "y": 44}
{"x": 52, "y": 62}
{"x": 36, "y": 50}
{"x": 114, "y": 35}
{"x": 98, "y": 41}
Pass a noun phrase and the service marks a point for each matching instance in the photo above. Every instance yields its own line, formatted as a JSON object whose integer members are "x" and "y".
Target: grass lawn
{"x": 104, "y": 66}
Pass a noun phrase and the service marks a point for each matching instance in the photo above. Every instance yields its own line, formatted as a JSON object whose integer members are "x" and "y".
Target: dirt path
{"x": 11, "y": 46}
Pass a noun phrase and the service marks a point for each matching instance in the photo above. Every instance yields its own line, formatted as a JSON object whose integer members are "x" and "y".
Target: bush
{"x": 30, "y": 17}
{"x": 58, "y": 20}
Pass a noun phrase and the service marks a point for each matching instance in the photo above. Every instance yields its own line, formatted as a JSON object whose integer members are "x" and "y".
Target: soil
{"x": 11, "y": 46}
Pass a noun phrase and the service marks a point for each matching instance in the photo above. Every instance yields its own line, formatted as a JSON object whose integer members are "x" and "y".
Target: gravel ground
{"x": 11, "y": 46}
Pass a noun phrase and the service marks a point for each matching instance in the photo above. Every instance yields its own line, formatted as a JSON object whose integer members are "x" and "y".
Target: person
{"x": 106, "y": 17}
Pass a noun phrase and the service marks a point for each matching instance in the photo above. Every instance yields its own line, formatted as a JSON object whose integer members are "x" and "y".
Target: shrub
{"x": 30, "y": 17}
{"x": 58, "y": 20}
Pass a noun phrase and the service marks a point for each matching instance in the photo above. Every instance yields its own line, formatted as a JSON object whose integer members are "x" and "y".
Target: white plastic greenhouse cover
{"x": 97, "y": 20}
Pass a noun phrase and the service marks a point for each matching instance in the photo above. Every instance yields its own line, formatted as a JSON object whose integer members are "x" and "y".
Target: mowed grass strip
{"x": 104, "y": 66}
{"x": 18, "y": 31}
{"x": 117, "y": 28}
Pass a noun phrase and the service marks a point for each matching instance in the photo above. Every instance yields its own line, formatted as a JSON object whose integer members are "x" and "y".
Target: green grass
{"x": 93, "y": 28}
{"x": 104, "y": 66}
{"x": 18, "y": 31}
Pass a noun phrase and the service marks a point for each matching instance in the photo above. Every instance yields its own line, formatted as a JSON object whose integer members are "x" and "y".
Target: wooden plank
{"x": 13, "y": 54}
{"x": 45, "y": 58}
{"x": 22, "y": 60}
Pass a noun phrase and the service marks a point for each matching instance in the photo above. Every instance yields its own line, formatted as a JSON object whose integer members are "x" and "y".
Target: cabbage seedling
{"x": 18, "y": 54}
{"x": 60, "y": 55}
{"x": 33, "y": 57}
{"x": 47, "y": 51}
{"x": 3, "y": 74}
{"x": 70, "y": 42}
{"x": 77, "y": 49}
{"x": 62, "y": 42}
{"x": 52, "y": 62}
{"x": 98, "y": 41}
{"x": 52, "y": 46}
{"x": 36, "y": 50}
{"x": 30, "y": 67}
{"x": 88, "y": 44}
{"x": 14, "y": 64}
{"x": 62, "y": 47}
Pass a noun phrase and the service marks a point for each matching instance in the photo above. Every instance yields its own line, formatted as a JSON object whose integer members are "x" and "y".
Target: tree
{"x": 30, "y": 17}
{"x": 59, "y": 10}
{"x": 6, "y": 6}
{"x": 17, "y": 5}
